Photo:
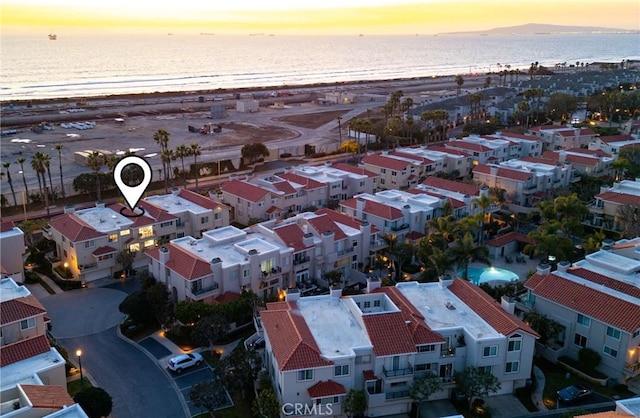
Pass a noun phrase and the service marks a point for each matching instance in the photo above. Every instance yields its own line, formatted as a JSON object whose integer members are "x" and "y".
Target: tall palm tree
{"x": 483, "y": 202}
{"x": 167, "y": 156}
{"x": 6, "y": 166}
{"x": 38, "y": 166}
{"x": 195, "y": 151}
{"x": 58, "y": 148}
{"x": 161, "y": 137}
{"x": 459, "y": 83}
{"x": 181, "y": 152}
{"x": 46, "y": 160}
{"x": 95, "y": 161}
{"x": 466, "y": 251}
{"x": 21, "y": 161}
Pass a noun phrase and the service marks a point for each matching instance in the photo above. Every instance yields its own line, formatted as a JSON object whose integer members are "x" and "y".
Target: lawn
{"x": 240, "y": 409}
{"x": 74, "y": 386}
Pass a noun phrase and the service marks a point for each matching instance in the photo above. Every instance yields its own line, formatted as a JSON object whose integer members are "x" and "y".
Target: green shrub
{"x": 589, "y": 359}
{"x": 31, "y": 277}
{"x": 64, "y": 272}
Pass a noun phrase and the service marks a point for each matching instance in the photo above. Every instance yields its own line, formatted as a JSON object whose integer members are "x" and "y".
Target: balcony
{"x": 447, "y": 351}
{"x": 389, "y": 396}
{"x": 203, "y": 290}
{"x": 632, "y": 368}
{"x": 377, "y": 244}
{"x": 301, "y": 260}
{"x": 345, "y": 251}
{"x": 398, "y": 372}
{"x": 397, "y": 228}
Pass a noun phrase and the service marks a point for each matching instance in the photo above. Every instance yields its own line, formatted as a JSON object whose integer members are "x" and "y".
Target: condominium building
{"x": 563, "y": 137}
{"x": 320, "y": 347}
{"x": 612, "y": 144}
{"x": 12, "y": 250}
{"x": 34, "y": 382}
{"x": 605, "y": 210}
{"x": 596, "y": 302}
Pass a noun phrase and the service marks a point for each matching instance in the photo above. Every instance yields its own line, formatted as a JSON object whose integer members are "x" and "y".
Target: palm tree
{"x": 38, "y": 166}
{"x": 467, "y": 251}
{"x": 195, "y": 151}
{"x": 58, "y": 148}
{"x": 167, "y": 156}
{"x": 6, "y": 166}
{"x": 181, "y": 152}
{"x": 459, "y": 82}
{"x": 21, "y": 161}
{"x": 162, "y": 138}
{"x": 95, "y": 161}
{"x": 46, "y": 160}
{"x": 483, "y": 202}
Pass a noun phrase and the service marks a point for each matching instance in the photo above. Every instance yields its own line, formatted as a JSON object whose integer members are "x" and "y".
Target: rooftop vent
{"x": 216, "y": 260}
{"x": 253, "y": 251}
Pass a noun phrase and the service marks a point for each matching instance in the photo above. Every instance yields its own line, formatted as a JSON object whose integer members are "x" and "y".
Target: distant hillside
{"x": 539, "y": 28}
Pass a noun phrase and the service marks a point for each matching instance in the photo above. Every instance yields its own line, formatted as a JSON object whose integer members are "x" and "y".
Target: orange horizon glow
{"x": 309, "y": 17}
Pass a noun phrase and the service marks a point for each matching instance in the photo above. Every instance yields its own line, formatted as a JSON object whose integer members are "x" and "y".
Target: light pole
{"x": 340, "y": 128}
{"x": 79, "y": 354}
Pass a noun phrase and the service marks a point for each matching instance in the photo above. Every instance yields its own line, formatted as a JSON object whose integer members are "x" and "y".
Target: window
{"x": 125, "y": 232}
{"x": 366, "y": 359}
{"x": 166, "y": 224}
{"x": 613, "y": 333}
{"x": 583, "y": 320}
{"x": 145, "y": 232}
{"x": 512, "y": 367}
{"x": 490, "y": 351}
{"x": 580, "y": 340}
{"x": 376, "y": 303}
{"x": 398, "y": 384}
{"x": 383, "y": 170}
{"x": 89, "y": 244}
{"x": 27, "y": 323}
{"x": 246, "y": 273}
{"x": 635, "y": 334}
{"x": 135, "y": 247}
{"x": 426, "y": 348}
{"x": 113, "y": 238}
{"x": 64, "y": 239}
{"x": 149, "y": 243}
{"x": 305, "y": 374}
{"x": 367, "y": 304}
{"x": 394, "y": 173}
{"x": 514, "y": 345}
{"x": 484, "y": 369}
{"x": 381, "y": 181}
{"x": 217, "y": 216}
{"x": 610, "y": 351}
{"x": 204, "y": 220}
{"x": 342, "y": 370}
{"x": 105, "y": 257}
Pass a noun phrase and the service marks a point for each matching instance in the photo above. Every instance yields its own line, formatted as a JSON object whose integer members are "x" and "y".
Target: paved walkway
{"x": 39, "y": 291}
{"x": 536, "y": 396}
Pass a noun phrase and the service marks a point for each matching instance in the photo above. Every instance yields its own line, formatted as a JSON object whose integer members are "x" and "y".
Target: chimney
{"x": 445, "y": 281}
{"x": 607, "y": 244}
{"x": 307, "y": 239}
{"x": 164, "y": 255}
{"x": 175, "y": 191}
{"x": 100, "y": 204}
{"x": 562, "y": 157}
{"x": 543, "y": 269}
{"x": 335, "y": 292}
{"x": 494, "y": 170}
{"x": 293, "y": 294}
{"x": 373, "y": 283}
{"x": 359, "y": 207}
{"x": 508, "y": 304}
{"x": 563, "y": 266}
{"x": 69, "y": 209}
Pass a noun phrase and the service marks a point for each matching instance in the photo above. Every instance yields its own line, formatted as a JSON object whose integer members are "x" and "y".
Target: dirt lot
{"x": 313, "y": 120}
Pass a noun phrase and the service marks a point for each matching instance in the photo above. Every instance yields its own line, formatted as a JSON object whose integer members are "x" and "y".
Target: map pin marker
{"x": 132, "y": 194}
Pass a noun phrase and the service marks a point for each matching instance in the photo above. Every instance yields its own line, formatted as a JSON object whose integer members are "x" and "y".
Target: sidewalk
{"x": 39, "y": 291}
{"x": 224, "y": 350}
{"x": 536, "y": 396}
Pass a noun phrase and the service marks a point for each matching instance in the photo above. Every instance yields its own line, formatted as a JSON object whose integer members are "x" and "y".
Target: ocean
{"x": 77, "y": 66}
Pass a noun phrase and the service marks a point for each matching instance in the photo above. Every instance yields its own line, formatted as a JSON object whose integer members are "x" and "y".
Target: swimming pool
{"x": 487, "y": 274}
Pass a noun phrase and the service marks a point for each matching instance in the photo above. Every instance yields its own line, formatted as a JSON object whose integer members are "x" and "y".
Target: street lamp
{"x": 79, "y": 354}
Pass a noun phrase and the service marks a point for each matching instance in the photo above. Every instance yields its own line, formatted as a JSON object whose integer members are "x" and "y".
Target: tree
{"x": 350, "y": 147}
{"x": 266, "y": 405}
{"x": 13, "y": 193}
{"x": 560, "y": 105}
{"x": 487, "y": 82}
{"x": 38, "y": 166}
{"x": 459, "y": 83}
{"x": 196, "y": 152}
{"x": 423, "y": 387}
{"x": 631, "y": 154}
{"x": 254, "y": 151}
{"x": 474, "y": 382}
{"x": 210, "y": 329}
{"x": 209, "y": 395}
{"x": 58, "y": 148}
{"x": 466, "y": 251}
{"x": 189, "y": 312}
{"x": 167, "y": 156}
{"x": 46, "y": 161}
{"x": 355, "y": 403}
{"x": 181, "y": 152}
{"x": 95, "y": 161}
{"x": 589, "y": 358}
{"x": 161, "y": 137}
{"x": 137, "y": 307}
{"x": 88, "y": 183}
{"x": 239, "y": 370}
{"x": 628, "y": 218}
{"x": 95, "y": 402}
{"x": 21, "y": 161}
{"x": 402, "y": 253}
{"x": 126, "y": 259}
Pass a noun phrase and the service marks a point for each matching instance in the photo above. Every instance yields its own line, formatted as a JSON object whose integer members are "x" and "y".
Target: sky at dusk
{"x": 308, "y": 16}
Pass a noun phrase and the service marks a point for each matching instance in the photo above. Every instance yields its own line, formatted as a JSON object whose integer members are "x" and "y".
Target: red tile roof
{"x": 183, "y": 262}
{"x": 451, "y": 185}
{"x": 419, "y": 159}
{"x": 369, "y": 375}
{"x": 15, "y": 310}
{"x": 6, "y": 226}
{"x": 510, "y": 237}
{"x": 325, "y": 389}
{"x": 613, "y": 284}
{"x": 292, "y": 236}
{"x": 291, "y": 340}
{"x": 159, "y": 215}
{"x": 467, "y": 146}
{"x": 323, "y": 223}
{"x": 414, "y": 235}
{"x": 227, "y": 297}
{"x": 24, "y": 349}
{"x": 73, "y": 228}
{"x": 47, "y": 396}
{"x": 544, "y": 127}
{"x": 306, "y": 182}
{"x": 567, "y": 133}
{"x": 384, "y": 161}
{"x": 377, "y": 209}
{"x": 389, "y": 334}
{"x": 538, "y": 160}
{"x": 450, "y": 151}
{"x": 273, "y": 209}
{"x": 582, "y": 160}
{"x": 353, "y": 169}
{"x": 199, "y": 200}
{"x": 285, "y": 187}
{"x": 504, "y": 173}
{"x": 602, "y": 306}
{"x": 488, "y": 309}
{"x": 105, "y": 249}
{"x": 619, "y": 198}
{"x": 507, "y": 135}
{"x": 616, "y": 138}
{"x": 244, "y": 190}
{"x": 595, "y": 153}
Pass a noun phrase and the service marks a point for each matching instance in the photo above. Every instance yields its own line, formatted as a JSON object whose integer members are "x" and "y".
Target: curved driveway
{"x": 88, "y": 319}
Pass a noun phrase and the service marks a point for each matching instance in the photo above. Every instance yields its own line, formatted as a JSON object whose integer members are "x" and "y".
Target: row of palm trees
{"x": 182, "y": 151}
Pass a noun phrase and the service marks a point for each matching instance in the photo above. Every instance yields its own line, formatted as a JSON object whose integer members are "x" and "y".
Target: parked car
{"x": 574, "y": 393}
{"x": 184, "y": 361}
